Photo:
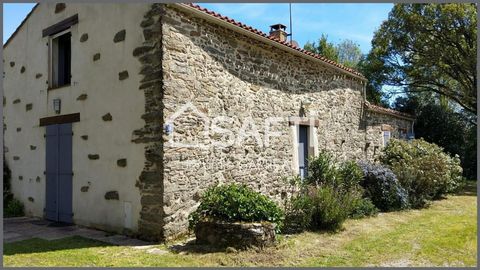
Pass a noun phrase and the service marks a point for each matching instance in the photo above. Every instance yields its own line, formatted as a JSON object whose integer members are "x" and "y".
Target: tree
{"x": 349, "y": 53}
{"x": 324, "y": 48}
{"x": 429, "y": 47}
{"x": 369, "y": 67}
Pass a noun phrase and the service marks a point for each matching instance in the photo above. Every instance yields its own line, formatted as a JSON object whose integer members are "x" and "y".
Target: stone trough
{"x": 238, "y": 235}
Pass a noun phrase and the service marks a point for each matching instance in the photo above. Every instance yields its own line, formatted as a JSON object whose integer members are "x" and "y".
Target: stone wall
{"x": 150, "y": 181}
{"x": 376, "y": 123}
{"x": 239, "y": 234}
{"x": 210, "y": 71}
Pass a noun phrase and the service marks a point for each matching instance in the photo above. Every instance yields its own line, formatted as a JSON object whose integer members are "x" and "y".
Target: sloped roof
{"x": 284, "y": 43}
{"x": 383, "y": 110}
{"x": 242, "y": 26}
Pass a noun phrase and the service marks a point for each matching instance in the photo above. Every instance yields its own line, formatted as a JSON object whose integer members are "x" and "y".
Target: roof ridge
{"x": 260, "y": 33}
{"x": 236, "y": 23}
{"x": 381, "y": 109}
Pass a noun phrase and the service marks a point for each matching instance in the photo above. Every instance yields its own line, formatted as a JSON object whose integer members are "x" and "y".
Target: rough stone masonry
{"x": 225, "y": 73}
{"x": 195, "y": 70}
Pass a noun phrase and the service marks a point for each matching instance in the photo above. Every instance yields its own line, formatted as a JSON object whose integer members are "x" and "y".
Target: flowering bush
{"x": 423, "y": 169}
{"x": 383, "y": 188}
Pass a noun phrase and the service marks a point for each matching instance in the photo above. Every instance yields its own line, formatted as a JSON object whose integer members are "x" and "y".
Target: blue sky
{"x": 339, "y": 21}
{"x": 13, "y": 15}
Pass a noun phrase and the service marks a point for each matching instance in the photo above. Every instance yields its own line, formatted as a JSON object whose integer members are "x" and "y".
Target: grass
{"x": 445, "y": 234}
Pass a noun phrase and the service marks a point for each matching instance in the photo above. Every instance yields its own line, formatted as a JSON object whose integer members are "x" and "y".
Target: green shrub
{"x": 234, "y": 203}
{"x": 423, "y": 169}
{"x": 330, "y": 208}
{"x": 363, "y": 207}
{"x": 299, "y": 211}
{"x": 327, "y": 195}
{"x": 322, "y": 170}
{"x": 318, "y": 208}
{"x": 14, "y": 208}
{"x": 383, "y": 188}
{"x": 350, "y": 176}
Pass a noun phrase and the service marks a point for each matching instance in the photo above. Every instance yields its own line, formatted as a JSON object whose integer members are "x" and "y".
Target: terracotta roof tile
{"x": 239, "y": 24}
{"x": 260, "y": 33}
{"x": 383, "y": 110}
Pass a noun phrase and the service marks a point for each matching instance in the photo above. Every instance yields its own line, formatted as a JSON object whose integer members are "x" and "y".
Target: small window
{"x": 402, "y": 134}
{"x": 60, "y": 60}
{"x": 386, "y": 137}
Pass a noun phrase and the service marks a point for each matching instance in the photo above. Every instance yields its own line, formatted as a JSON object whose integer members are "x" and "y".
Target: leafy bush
{"x": 299, "y": 213}
{"x": 350, "y": 176}
{"x": 235, "y": 203}
{"x": 363, "y": 207}
{"x": 318, "y": 208}
{"x": 455, "y": 131}
{"x": 423, "y": 169}
{"x": 330, "y": 208}
{"x": 14, "y": 208}
{"x": 327, "y": 196}
{"x": 322, "y": 170}
{"x": 383, "y": 188}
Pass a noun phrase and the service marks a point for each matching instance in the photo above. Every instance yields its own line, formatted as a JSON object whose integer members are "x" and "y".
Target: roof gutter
{"x": 233, "y": 27}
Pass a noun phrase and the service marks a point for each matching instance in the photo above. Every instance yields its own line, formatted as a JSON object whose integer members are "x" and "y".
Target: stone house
{"x": 118, "y": 116}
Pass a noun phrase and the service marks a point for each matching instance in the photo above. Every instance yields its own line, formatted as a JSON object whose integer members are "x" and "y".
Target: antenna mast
{"x": 291, "y": 30}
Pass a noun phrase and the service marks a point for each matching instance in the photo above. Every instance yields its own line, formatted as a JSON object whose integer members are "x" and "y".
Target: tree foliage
{"x": 444, "y": 126}
{"x": 324, "y": 47}
{"x": 369, "y": 66}
{"x": 347, "y": 52}
{"x": 428, "y": 47}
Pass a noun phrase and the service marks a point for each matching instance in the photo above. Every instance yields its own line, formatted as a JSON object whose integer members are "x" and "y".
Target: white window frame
{"x": 386, "y": 133}
{"x": 51, "y": 64}
{"x": 312, "y": 141}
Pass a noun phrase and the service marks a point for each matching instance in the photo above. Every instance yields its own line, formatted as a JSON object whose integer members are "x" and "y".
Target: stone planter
{"x": 238, "y": 234}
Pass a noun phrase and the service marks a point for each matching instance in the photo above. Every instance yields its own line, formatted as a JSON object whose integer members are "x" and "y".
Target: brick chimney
{"x": 278, "y": 31}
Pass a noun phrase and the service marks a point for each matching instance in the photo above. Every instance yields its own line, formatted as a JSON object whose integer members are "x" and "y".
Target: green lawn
{"x": 445, "y": 234}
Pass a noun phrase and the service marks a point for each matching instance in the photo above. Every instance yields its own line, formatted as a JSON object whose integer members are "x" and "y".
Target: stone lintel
{"x": 303, "y": 121}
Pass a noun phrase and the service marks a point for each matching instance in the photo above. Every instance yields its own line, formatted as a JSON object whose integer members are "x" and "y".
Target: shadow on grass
{"x": 37, "y": 245}
{"x": 192, "y": 247}
{"x": 470, "y": 189}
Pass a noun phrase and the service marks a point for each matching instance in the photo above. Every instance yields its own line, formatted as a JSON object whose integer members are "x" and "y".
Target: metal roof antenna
{"x": 292, "y": 42}
{"x": 291, "y": 29}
